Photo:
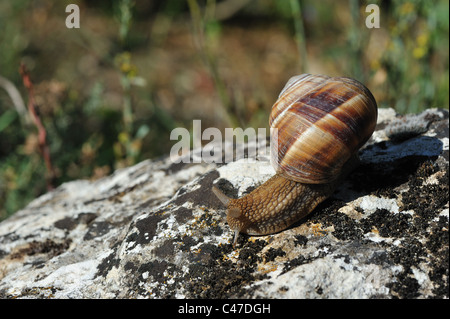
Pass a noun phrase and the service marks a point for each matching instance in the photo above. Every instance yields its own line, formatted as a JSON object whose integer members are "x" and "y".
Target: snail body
{"x": 319, "y": 123}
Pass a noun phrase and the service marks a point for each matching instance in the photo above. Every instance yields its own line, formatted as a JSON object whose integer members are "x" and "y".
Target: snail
{"x": 321, "y": 122}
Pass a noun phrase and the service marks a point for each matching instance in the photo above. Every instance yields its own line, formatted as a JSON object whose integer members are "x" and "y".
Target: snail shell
{"x": 319, "y": 123}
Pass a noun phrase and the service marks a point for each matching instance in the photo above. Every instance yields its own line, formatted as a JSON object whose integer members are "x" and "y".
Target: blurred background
{"x": 109, "y": 93}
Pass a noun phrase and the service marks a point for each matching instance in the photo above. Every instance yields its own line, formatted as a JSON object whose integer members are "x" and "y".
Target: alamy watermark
{"x": 73, "y": 19}
{"x": 373, "y": 19}
{"x": 249, "y": 144}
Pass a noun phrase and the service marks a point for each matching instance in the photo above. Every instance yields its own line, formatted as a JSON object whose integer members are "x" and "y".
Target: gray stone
{"x": 155, "y": 230}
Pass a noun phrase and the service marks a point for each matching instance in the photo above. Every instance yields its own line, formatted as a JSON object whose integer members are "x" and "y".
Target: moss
{"x": 219, "y": 277}
{"x": 47, "y": 247}
{"x": 421, "y": 236}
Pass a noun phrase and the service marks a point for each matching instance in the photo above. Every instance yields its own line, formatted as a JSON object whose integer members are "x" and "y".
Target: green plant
{"x": 207, "y": 37}
{"x": 127, "y": 149}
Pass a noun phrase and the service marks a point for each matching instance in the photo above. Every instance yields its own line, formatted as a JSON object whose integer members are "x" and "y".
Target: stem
{"x": 355, "y": 41}
{"x": 17, "y": 100}
{"x": 42, "y": 134}
{"x": 200, "y": 25}
{"x": 299, "y": 34}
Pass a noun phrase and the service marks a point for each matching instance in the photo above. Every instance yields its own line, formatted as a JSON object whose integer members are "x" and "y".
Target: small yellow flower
{"x": 406, "y": 8}
{"x": 124, "y": 137}
{"x": 422, "y": 46}
{"x": 375, "y": 64}
{"x": 422, "y": 40}
{"x": 419, "y": 52}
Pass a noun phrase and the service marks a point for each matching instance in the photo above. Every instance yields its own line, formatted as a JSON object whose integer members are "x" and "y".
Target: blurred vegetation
{"x": 109, "y": 93}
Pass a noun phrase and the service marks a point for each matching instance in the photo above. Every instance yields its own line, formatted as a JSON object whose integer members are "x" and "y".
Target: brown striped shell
{"x": 321, "y": 121}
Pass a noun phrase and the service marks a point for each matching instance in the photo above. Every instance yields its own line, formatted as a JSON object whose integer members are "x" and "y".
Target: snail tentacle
{"x": 221, "y": 196}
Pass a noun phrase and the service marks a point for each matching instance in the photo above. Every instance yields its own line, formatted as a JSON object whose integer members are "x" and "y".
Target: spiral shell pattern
{"x": 321, "y": 121}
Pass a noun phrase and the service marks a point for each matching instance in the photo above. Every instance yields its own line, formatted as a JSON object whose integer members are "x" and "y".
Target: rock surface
{"x": 155, "y": 230}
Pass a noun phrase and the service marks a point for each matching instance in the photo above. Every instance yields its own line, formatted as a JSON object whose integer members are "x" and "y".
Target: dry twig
{"x": 42, "y": 134}
{"x": 16, "y": 98}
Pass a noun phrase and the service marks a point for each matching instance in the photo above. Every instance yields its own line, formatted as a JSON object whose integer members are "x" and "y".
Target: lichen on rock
{"x": 155, "y": 230}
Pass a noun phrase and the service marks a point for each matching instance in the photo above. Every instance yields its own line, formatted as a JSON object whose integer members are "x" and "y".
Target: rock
{"x": 155, "y": 230}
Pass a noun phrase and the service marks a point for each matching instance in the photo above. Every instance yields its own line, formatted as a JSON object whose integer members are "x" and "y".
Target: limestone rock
{"x": 155, "y": 230}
